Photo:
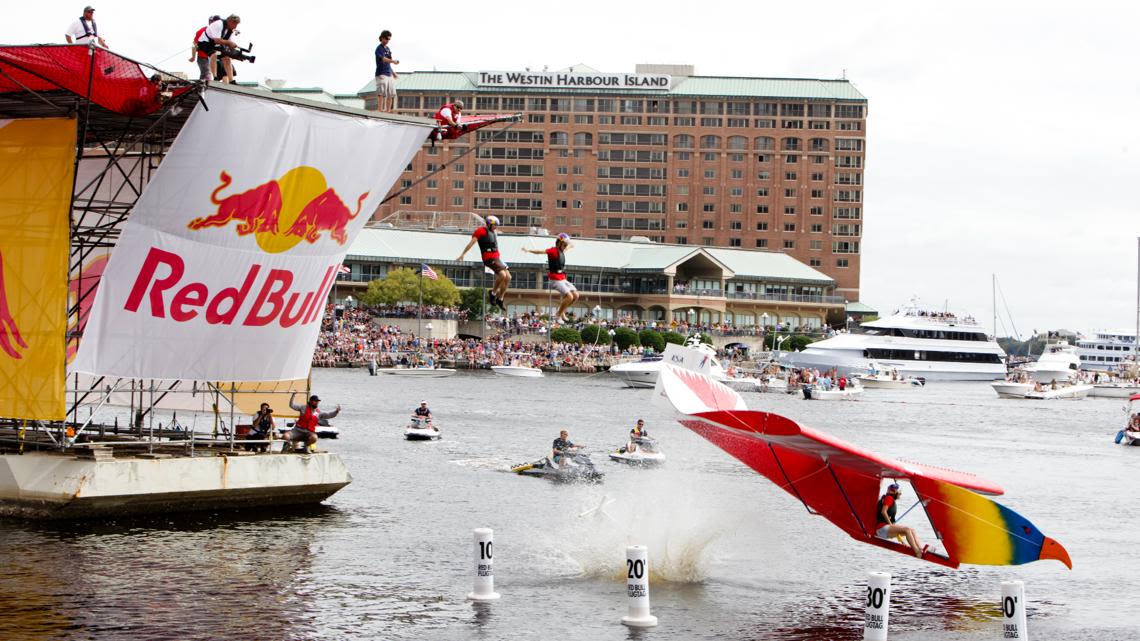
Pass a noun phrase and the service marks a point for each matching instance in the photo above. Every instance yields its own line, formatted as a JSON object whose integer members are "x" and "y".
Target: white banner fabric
{"x": 227, "y": 260}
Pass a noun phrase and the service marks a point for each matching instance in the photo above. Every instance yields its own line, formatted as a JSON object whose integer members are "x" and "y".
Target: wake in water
{"x": 667, "y": 520}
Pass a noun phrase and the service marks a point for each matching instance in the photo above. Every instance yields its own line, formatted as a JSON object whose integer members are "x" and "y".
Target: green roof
{"x": 696, "y": 86}
{"x": 861, "y": 308}
{"x": 438, "y": 248}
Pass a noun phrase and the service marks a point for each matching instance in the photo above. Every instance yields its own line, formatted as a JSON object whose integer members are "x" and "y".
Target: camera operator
{"x": 197, "y": 54}
{"x": 218, "y": 34}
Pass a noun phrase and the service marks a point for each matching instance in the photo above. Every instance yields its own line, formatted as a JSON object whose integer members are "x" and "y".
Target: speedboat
{"x": 516, "y": 370}
{"x": 1059, "y": 362}
{"x": 643, "y": 373}
{"x": 934, "y": 345}
{"x": 1115, "y": 390}
{"x": 1070, "y": 392}
{"x": 773, "y": 384}
{"x": 647, "y": 453}
{"x": 851, "y": 392}
{"x": 888, "y": 378}
{"x": 1130, "y": 435}
{"x": 420, "y": 429}
{"x": 577, "y": 468}
{"x": 425, "y": 372}
{"x": 1011, "y": 389}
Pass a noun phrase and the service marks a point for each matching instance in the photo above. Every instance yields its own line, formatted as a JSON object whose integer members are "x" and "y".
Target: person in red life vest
{"x": 489, "y": 249}
{"x": 886, "y": 527}
{"x": 842, "y": 383}
{"x": 556, "y": 273}
{"x": 305, "y": 429}
{"x": 448, "y": 115}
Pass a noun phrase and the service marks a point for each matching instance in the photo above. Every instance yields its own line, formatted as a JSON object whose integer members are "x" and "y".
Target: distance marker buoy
{"x": 877, "y": 614}
{"x": 484, "y": 566}
{"x": 637, "y": 588}
{"x": 1013, "y": 611}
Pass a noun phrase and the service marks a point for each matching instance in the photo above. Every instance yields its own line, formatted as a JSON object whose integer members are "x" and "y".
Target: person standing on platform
{"x": 83, "y": 31}
{"x": 385, "y": 74}
{"x": 305, "y": 429}
{"x": 489, "y": 249}
{"x": 556, "y": 273}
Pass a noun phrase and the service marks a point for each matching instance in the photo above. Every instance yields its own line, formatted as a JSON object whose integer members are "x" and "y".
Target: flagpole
{"x": 420, "y": 322}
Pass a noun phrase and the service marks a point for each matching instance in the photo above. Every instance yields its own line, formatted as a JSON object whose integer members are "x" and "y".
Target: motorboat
{"x": 921, "y": 343}
{"x": 774, "y": 384}
{"x": 1115, "y": 390}
{"x": 424, "y": 371}
{"x": 643, "y": 373}
{"x": 574, "y": 468}
{"x": 850, "y": 392}
{"x": 743, "y": 383}
{"x": 646, "y": 453}
{"x": 1058, "y": 362}
{"x": 421, "y": 429}
{"x": 1011, "y": 389}
{"x": 1066, "y": 391}
{"x": 1130, "y": 435}
{"x": 888, "y": 378}
{"x": 517, "y": 370}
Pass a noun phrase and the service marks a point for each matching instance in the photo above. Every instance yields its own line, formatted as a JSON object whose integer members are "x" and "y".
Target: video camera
{"x": 241, "y": 54}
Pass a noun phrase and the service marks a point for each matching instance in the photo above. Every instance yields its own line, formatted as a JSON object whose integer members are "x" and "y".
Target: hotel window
{"x": 681, "y": 240}
{"x": 853, "y": 125}
{"x": 789, "y": 244}
{"x": 457, "y": 184}
{"x": 712, "y": 122}
{"x": 631, "y": 120}
{"x": 708, "y": 241}
{"x": 762, "y": 158}
{"x": 789, "y": 193}
{"x": 578, "y": 170}
{"x": 764, "y": 109}
{"x": 457, "y": 167}
{"x": 708, "y": 224}
{"x": 738, "y": 123}
{"x": 790, "y": 227}
{"x": 819, "y": 124}
{"x": 560, "y": 187}
{"x": 819, "y": 111}
{"x": 764, "y": 175}
{"x": 577, "y": 204}
{"x": 563, "y": 153}
{"x": 682, "y": 224}
{"x": 684, "y": 106}
{"x": 792, "y": 124}
{"x": 736, "y": 224}
{"x": 683, "y": 155}
{"x": 559, "y": 119}
{"x": 735, "y": 208}
{"x": 764, "y": 143}
{"x": 710, "y": 142}
{"x": 817, "y": 229}
{"x": 682, "y": 141}
{"x": 577, "y": 186}
{"x": 737, "y": 142}
{"x": 583, "y": 104}
{"x": 405, "y": 200}
{"x": 559, "y": 220}
{"x": 682, "y": 206}
{"x": 560, "y": 104}
{"x": 761, "y": 226}
{"x": 536, "y": 104}
{"x": 486, "y": 102}
{"x": 789, "y": 175}
{"x": 791, "y": 158}
{"x": 560, "y": 204}
{"x": 583, "y": 120}
{"x": 849, "y": 144}
{"x": 709, "y": 156}
{"x": 709, "y": 190}
{"x": 606, "y": 105}
{"x": 817, "y": 193}
{"x": 432, "y": 183}
{"x": 815, "y": 245}
{"x": 561, "y": 171}
{"x": 789, "y": 211}
{"x": 817, "y": 176}
{"x": 736, "y": 157}
{"x": 683, "y": 172}
{"x": 845, "y": 247}
{"x": 761, "y": 209}
{"x": 710, "y": 107}
{"x": 761, "y": 243}
{"x": 737, "y": 174}
{"x": 657, "y": 106}
{"x": 762, "y": 192}
{"x": 631, "y": 106}
{"x": 819, "y": 144}
{"x": 583, "y": 139}
{"x": 513, "y": 104}
{"x": 657, "y": 121}
{"x": 848, "y": 111}
{"x": 405, "y": 183}
{"x": 841, "y": 262}
{"x": 686, "y": 121}
{"x": 430, "y": 201}
{"x": 791, "y": 144}
{"x": 790, "y": 109}
{"x": 559, "y": 138}
{"x": 736, "y": 192}
{"x": 710, "y": 207}
{"x": 457, "y": 201}
{"x": 815, "y": 262}
{"x": 734, "y": 242}
{"x": 605, "y": 120}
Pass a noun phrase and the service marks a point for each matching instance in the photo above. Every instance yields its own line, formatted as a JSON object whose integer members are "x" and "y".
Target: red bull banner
{"x": 36, "y": 163}
{"x": 225, "y": 265}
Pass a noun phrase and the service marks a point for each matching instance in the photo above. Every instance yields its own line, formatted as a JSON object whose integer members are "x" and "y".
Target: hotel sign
{"x": 572, "y": 80}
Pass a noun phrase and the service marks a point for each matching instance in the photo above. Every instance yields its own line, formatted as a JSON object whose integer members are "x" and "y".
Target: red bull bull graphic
{"x": 10, "y": 339}
{"x": 81, "y": 296}
{"x": 281, "y": 213}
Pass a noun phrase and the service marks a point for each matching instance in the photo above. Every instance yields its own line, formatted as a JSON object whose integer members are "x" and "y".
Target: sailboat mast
{"x": 993, "y": 300}
{"x": 1136, "y": 341}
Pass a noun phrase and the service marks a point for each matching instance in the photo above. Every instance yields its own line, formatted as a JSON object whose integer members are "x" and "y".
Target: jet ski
{"x": 646, "y": 453}
{"x": 578, "y": 469}
{"x": 421, "y": 430}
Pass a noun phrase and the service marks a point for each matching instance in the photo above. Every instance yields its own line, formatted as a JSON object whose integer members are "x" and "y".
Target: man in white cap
{"x": 83, "y": 31}
{"x": 556, "y": 273}
{"x": 489, "y": 249}
{"x": 422, "y": 412}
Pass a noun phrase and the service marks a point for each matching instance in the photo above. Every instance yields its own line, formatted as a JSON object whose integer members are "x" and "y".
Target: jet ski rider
{"x": 422, "y": 412}
{"x": 562, "y": 448}
{"x": 635, "y": 435}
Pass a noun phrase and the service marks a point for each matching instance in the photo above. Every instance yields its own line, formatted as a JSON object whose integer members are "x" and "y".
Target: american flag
{"x": 425, "y": 270}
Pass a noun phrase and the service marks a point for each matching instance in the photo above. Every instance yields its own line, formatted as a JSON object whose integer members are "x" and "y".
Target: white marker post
{"x": 1013, "y": 610}
{"x": 484, "y": 566}
{"x": 876, "y": 617}
{"x": 637, "y": 588}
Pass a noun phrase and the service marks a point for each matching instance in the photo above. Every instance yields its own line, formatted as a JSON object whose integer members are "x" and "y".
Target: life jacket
{"x": 309, "y": 419}
{"x": 890, "y": 510}
{"x": 88, "y": 32}
{"x": 556, "y": 262}
{"x": 489, "y": 242}
{"x": 198, "y": 42}
{"x": 450, "y": 107}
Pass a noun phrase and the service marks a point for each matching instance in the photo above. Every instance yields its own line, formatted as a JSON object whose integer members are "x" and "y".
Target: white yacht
{"x": 1106, "y": 351}
{"x": 643, "y": 373}
{"x": 936, "y": 345}
{"x": 1059, "y": 362}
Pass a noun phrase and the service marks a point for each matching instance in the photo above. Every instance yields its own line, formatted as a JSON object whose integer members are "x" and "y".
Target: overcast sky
{"x": 1002, "y": 136}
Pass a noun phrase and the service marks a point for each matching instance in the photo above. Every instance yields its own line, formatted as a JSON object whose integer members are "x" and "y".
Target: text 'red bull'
{"x": 275, "y": 301}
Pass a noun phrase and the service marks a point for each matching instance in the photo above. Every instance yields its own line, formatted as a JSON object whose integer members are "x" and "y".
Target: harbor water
{"x": 731, "y": 555}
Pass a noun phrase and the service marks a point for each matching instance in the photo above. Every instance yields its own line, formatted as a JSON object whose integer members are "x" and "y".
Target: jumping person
{"x": 305, "y": 429}
{"x": 556, "y": 273}
{"x": 489, "y": 249}
{"x": 886, "y": 526}
{"x": 385, "y": 74}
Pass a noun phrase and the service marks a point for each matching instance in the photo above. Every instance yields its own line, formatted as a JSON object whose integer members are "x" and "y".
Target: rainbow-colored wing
{"x": 980, "y": 531}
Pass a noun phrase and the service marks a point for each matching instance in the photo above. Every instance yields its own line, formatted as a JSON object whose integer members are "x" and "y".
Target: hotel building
{"x": 766, "y": 164}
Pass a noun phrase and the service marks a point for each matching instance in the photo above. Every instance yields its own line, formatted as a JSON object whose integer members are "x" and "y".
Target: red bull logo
{"x": 10, "y": 340}
{"x": 281, "y": 213}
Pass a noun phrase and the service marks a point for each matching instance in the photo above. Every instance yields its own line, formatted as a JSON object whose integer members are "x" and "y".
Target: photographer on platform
{"x": 197, "y": 54}
{"x": 219, "y": 34}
